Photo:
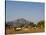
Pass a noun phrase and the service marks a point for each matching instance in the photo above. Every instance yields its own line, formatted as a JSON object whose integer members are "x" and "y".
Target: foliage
{"x": 32, "y": 24}
{"x": 41, "y": 24}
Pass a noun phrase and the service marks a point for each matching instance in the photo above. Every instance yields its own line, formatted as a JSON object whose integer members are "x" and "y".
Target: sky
{"x": 31, "y": 11}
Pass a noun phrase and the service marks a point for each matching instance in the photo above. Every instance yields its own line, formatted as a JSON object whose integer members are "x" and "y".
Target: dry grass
{"x": 25, "y": 30}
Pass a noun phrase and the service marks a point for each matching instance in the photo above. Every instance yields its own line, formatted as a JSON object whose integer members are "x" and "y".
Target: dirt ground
{"x": 25, "y": 30}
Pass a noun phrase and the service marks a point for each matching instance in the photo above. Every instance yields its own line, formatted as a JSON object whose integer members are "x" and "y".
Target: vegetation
{"x": 23, "y": 25}
{"x": 41, "y": 24}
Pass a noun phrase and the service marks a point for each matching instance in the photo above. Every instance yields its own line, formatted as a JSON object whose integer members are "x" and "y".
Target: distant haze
{"x": 28, "y": 10}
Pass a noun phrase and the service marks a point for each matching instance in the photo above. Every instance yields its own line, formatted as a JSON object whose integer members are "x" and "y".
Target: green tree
{"x": 32, "y": 24}
{"x": 41, "y": 24}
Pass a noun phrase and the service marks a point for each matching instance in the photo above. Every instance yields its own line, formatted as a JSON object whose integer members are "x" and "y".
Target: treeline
{"x": 40, "y": 24}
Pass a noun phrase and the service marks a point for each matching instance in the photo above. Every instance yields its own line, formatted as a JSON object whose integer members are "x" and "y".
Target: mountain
{"x": 18, "y": 22}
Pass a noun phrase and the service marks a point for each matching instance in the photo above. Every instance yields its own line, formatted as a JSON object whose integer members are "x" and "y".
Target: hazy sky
{"x": 29, "y": 10}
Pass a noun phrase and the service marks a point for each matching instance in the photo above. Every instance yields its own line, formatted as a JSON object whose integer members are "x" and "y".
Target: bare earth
{"x": 25, "y": 30}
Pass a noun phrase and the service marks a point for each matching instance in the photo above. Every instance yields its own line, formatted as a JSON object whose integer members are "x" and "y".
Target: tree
{"x": 32, "y": 24}
{"x": 41, "y": 24}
